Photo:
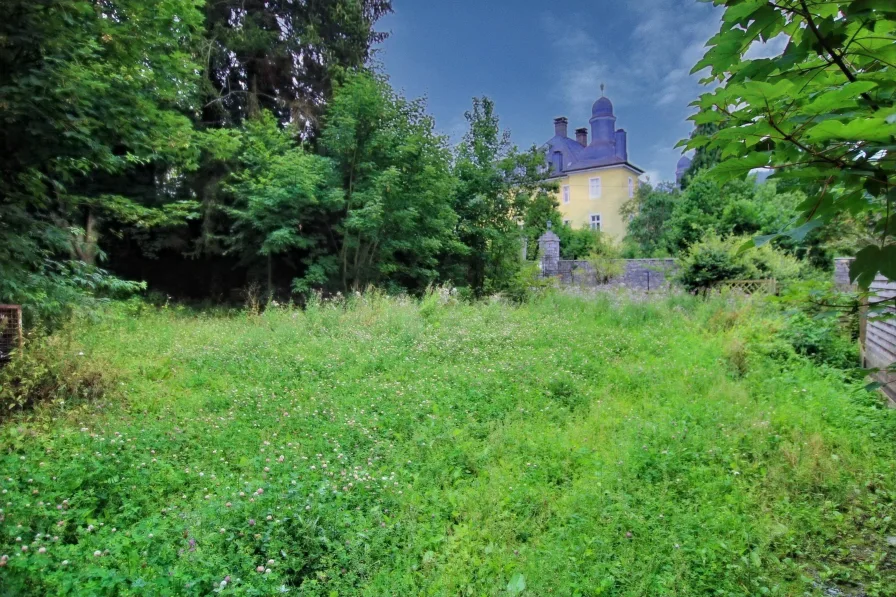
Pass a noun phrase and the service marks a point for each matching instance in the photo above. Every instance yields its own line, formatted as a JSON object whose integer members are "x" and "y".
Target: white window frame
{"x": 595, "y": 183}
{"x": 631, "y": 187}
{"x": 592, "y": 221}
{"x": 566, "y": 194}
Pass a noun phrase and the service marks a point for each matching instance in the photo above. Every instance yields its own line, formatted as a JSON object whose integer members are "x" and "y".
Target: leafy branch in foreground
{"x": 820, "y": 113}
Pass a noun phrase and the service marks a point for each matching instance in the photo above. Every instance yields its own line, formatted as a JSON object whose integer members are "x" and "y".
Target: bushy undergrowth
{"x": 715, "y": 259}
{"x": 392, "y": 447}
{"x": 52, "y": 370}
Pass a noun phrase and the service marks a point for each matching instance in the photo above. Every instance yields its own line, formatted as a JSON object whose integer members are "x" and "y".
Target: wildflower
{"x": 251, "y": 522}
{"x": 42, "y": 550}
{"x": 259, "y": 569}
{"x": 97, "y": 553}
{"x": 24, "y": 548}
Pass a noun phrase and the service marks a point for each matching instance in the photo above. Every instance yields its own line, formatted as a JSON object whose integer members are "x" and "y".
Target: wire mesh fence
{"x": 10, "y": 331}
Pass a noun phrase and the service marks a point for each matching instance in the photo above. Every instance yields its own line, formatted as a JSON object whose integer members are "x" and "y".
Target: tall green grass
{"x": 389, "y": 447}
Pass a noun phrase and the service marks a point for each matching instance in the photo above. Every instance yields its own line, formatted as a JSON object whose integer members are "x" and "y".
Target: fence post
{"x": 21, "y": 332}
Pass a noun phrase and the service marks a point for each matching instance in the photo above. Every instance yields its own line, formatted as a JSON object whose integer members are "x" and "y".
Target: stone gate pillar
{"x": 549, "y": 249}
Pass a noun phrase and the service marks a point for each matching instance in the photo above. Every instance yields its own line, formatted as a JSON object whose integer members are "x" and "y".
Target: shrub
{"x": 524, "y": 285}
{"x": 52, "y": 368}
{"x": 709, "y": 262}
{"x": 822, "y": 339}
{"x": 715, "y": 259}
{"x": 604, "y": 258}
{"x": 57, "y": 289}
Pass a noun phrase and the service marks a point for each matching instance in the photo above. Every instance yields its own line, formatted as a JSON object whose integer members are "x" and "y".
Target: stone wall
{"x": 841, "y": 271}
{"x": 649, "y": 274}
{"x": 640, "y": 274}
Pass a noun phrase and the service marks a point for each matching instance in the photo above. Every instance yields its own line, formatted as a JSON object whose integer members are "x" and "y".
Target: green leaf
{"x": 740, "y": 12}
{"x": 740, "y": 167}
{"x": 800, "y": 233}
{"x": 847, "y": 96}
{"x": 859, "y": 129}
{"x": 517, "y": 584}
{"x": 864, "y": 269}
{"x": 887, "y": 266}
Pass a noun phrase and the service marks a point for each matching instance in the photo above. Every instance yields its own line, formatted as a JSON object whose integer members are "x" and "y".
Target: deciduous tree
{"x": 821, "y": 111}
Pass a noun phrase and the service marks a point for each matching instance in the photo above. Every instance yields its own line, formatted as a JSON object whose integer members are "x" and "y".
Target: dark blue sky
{"x": 539, "y": 60}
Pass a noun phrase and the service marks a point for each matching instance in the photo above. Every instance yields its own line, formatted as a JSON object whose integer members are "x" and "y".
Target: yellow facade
{"x": 586, "y": 199}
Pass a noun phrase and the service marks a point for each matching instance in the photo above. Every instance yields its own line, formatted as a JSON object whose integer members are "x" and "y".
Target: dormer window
{"x": 557, "y": 162}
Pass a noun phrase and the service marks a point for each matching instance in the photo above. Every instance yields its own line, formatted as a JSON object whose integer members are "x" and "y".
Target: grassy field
{"x": 387, "y": 447}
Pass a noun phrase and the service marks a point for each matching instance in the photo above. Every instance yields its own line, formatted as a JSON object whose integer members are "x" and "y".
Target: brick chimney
{"x": 561, "y": 126}
{"x": 582, "y": 136}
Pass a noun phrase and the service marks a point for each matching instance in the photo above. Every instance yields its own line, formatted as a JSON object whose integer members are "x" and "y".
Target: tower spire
{"x": 602, "y": 86}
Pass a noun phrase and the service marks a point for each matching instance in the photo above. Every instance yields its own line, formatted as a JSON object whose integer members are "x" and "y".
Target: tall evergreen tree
{"x": 282, "y": 56}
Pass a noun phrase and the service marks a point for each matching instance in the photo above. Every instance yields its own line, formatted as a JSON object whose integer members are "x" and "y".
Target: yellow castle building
{"x": 595, "y": 178}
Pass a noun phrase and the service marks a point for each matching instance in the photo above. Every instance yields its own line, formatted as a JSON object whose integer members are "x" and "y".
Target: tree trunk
{"x": 86, "y": 247}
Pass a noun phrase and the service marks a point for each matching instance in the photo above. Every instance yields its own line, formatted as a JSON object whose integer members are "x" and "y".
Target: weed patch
{"x": 378, "y": 446}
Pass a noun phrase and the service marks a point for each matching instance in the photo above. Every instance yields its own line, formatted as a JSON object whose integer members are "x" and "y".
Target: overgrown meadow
{"x": 383, "y": 446}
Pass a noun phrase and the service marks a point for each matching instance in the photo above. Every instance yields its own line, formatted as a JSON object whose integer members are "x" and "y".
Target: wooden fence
{"x": 10, "y": 331}
{"x": 878, "y": 334}
{"x": 748, "y": 286}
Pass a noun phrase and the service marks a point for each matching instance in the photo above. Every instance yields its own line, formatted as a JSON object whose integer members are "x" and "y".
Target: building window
{"x": 594, "y": 186}
{"x": 557, "y": 160}
{"x": 567, "y": 222}
{"x": 631, "y": 187}
{"x": 566, "y": 194}
{"x": 595, "y": 222}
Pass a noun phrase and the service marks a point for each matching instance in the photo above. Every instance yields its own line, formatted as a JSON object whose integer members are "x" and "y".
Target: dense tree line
{"x": 206, "y": 146}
